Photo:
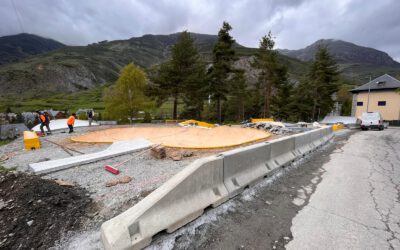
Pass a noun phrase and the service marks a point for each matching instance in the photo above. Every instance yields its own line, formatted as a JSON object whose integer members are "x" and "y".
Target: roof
{"x": 383, "y": 82}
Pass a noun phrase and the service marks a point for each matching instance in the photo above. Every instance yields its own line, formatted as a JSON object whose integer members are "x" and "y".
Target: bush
{"x": 147, "y": 117}
{"x": 82, "y": 116}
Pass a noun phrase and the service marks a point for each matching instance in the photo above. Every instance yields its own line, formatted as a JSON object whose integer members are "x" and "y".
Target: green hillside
{"x": 74, "y": 76}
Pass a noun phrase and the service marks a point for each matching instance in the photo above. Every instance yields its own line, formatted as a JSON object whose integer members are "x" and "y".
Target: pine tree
{"x": 266, "y": 62}
{"x": 126, "y": 98}
{"x": 282, "y": 100}
{"x": 302, "y": 101}
{"x": 323, "y": 76}
{"x": 312, "y": 98}
{"x": 238, "y": 97}
{"x": 223, "y": 58}
{"x": 180, "y": 75}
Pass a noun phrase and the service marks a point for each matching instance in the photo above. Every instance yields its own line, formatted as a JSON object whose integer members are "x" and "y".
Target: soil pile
{"x": 35, "y": 213}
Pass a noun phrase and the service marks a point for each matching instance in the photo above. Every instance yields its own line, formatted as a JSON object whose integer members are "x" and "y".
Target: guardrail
{"x": 206, "y": 182}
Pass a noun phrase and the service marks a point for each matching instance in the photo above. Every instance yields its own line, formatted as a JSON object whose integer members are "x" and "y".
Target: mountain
{"x": 15, "y": 47}
{"x": 76, "y": 68}
{"x": 344, "y": 53}
{"x": 45, "y": 79}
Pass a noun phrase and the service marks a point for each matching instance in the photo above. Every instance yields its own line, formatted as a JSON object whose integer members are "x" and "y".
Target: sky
{"x": 294, "y": 23}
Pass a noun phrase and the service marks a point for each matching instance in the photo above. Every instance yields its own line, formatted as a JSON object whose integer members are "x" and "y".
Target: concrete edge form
{"x": 206, "y": 182}
{"x": 116, "y": 149}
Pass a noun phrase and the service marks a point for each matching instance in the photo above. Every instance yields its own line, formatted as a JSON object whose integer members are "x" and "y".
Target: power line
{"x": 18, "y": 16}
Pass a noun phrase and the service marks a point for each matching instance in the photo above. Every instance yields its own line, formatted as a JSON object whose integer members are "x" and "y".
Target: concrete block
{"x": 245, "y": 166}
{"x": 177, "y": 202}
{"x": 282, "y": 152}
{"x": 116, "y": 149}
{"x": 303, "y": 143}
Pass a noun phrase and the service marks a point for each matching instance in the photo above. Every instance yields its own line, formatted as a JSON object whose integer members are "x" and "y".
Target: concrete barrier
{"x": 245, "y": 166}
{"x": 180, "y": 200}
{"x": 206, "y": 182}
{"x": 282, "y": 152}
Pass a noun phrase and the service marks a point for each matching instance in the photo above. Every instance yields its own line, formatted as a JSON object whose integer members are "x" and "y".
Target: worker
{"x": 90, "y": 117}
{"x": 71, "y": 122}
{"x": 44, "y": 122}
{"x": 47, "y": 117}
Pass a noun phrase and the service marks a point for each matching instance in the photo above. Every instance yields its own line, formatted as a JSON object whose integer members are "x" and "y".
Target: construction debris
{"x": 277, "y": 128}
{"x": 112, "y": 183}
{"x": 64, "y": 183}
{"x": 194, "y": 123}
{"x": 176, "y": 157}
{"x": 111, "y": 169}
{"x": 122, "y": 180}
{"x": 178, "y": 154}
{"x": 158, "y": 152}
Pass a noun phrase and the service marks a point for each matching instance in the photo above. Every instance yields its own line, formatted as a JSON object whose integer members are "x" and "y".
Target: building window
{"x": 360, "y": 103}
{"x": 382, "y": 103}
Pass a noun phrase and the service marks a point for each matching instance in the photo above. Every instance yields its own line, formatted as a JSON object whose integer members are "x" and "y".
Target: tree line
{"x": 217, "y": 91}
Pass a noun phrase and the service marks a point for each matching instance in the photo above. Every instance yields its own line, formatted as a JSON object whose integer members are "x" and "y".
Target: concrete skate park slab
{"x": 116, "y": 149}
{"x": 179, "y": 137}
{"x": 62, "y": 124}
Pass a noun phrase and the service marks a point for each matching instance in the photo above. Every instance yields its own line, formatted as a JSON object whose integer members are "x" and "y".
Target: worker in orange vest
{"x": 71, "y": 122}
{"x": 44, "y": 121}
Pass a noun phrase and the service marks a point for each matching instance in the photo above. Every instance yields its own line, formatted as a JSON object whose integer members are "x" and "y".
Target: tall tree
{"x": 302, "y": 101}
{"x": 323, "y": 76}
{"x": 176, "y": 77}
{"x": 223, "y": 58}
{"x": 266, "y": 62}
{"x": 344, "y": 97}
{"x": 238, "y": 96}
{"x": 282, "y": 100}
{"x": 126, "y": 98}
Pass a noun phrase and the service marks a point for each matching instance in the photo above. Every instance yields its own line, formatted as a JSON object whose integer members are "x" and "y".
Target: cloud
{"x": 295, "y": 24}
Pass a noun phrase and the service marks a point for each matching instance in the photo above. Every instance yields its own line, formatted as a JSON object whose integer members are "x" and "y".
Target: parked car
{"x": 370, "y": 120}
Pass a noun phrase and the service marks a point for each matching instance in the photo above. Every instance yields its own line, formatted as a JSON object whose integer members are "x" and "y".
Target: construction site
{"x": 62, "y": 186}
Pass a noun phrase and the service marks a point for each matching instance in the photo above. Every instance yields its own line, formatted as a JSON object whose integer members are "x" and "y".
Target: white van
{"x": 372, "y": 120}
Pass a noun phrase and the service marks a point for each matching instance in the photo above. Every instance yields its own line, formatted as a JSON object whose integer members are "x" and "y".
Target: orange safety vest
{"x": 42, "y": 118}
{"x": 71, "y": 120}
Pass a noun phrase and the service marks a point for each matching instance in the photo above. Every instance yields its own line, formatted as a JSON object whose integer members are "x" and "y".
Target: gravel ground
{"x": 147, "y": 174}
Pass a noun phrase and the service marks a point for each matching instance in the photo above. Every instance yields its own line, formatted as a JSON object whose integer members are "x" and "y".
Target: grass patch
{"x": 4, "y": 169}
{"x": 4, "y": 142}
{"x": 64, "y": 102}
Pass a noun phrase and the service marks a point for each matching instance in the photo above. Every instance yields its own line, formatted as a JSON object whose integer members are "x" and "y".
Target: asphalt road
{"x": 345, "y": 196}
{"x": 357, "y": 204}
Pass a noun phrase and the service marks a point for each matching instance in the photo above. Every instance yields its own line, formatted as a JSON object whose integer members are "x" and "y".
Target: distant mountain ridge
{"x": 344, "y": 53}
{"x": 75, "y": 68}
{"x": 16, "y": 47}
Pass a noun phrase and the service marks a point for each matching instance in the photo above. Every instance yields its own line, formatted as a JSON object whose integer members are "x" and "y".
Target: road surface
{"x": 345, "y": 196}
{"x": 356, "y": 206}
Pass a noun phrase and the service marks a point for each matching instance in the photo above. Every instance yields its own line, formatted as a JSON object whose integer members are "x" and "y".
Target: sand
{"x": 178, "y": 137}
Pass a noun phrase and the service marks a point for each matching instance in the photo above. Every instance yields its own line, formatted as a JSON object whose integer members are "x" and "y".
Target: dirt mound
{"x": 34, "y": 212}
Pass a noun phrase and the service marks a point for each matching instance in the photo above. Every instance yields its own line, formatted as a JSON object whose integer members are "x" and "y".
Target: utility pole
{"x": 369, "y": 91}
